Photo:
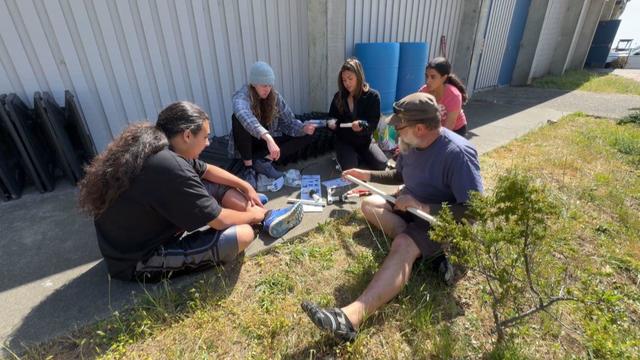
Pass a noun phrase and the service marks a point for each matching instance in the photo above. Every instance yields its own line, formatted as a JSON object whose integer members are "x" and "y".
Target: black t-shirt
{"x": 163, "y": 201}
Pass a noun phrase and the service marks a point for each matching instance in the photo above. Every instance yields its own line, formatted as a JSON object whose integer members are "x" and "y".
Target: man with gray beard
{"x": 435, "y": 166}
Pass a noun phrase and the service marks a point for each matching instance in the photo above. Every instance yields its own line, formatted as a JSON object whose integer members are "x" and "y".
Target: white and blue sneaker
{"x": 278, "y": 222}
{"x": 263, "y": 198}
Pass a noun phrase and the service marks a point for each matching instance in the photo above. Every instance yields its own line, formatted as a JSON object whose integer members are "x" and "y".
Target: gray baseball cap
{"x": 416, "y": 108}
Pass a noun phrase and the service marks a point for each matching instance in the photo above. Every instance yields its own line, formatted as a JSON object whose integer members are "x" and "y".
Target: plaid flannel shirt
{"x": 284, "y": 123}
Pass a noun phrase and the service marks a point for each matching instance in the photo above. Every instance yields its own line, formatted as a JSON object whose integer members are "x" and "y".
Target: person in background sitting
{"x": 449, "y": 92}
{"x": 357, "y": 104}
{"x": 264, "y": 129}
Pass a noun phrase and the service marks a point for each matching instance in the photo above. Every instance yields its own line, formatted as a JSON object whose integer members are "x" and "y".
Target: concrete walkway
{"x": 52, "y": 278}
{"x": 633, "y": 74}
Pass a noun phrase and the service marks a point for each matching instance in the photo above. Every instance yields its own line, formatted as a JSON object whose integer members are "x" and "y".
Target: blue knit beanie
{"x": 261, "y": 74}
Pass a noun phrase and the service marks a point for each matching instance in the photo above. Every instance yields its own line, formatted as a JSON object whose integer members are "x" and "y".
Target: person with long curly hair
{"x": 159, "y": 211}
{"x": 264, "y": 129}
{"x": 449, "y": 92}
{"x": 357, "y": 104}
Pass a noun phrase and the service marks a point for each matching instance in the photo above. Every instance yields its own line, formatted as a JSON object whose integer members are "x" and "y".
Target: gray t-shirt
{"x": 446, "y": 171}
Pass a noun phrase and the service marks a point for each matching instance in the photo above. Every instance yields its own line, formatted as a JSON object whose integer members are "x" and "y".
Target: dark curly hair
{"x": 111, "y": 172}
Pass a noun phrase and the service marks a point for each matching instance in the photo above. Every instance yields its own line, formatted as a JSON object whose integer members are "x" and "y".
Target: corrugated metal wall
{"x": 550, "y": 33}
{"x": 125, "y": 60}
{"x": 495, "y": 42}
{"x": 576, "y": 34}
{"x": 404, "y": 20}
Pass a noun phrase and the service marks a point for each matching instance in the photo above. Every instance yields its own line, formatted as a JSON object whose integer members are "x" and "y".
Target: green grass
{"x": 589, "y": 81}
{"x": 251, "y": 310}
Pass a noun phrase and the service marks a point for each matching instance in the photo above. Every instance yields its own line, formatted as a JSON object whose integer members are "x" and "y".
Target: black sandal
{"x": 332, "y": 320}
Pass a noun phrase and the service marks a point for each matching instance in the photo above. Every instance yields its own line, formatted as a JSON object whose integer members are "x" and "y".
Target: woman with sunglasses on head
{"x": 449, "y": 92}
{"x": 357, "y": 105}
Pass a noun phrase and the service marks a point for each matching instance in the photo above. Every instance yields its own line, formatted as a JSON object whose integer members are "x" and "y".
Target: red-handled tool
{"x": 355, "y": 193}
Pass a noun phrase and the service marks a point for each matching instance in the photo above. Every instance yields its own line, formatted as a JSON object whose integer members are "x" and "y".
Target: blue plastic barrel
{"x": 413, "y": 60}
{"x": 380, "y": 62}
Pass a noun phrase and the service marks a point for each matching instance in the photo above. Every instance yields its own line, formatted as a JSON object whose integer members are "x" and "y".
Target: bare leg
{"x": 245, "y": 236}
{"x": 235, "y": 200}
{"x": 387, "y": 282}
{"x": 247, "y": 162}
{"x": 378, "y": 212}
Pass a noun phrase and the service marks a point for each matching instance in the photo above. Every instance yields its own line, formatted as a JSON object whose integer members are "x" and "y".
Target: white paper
{"x": 312, "y": 208}
{"x": 309, "y": 183}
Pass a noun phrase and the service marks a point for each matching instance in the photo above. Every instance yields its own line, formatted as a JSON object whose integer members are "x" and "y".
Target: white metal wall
{"x": 495, "y": 43}
{"x": 576, "y": 34}
{"x": 125, "y": 60}
{"x": 550, "y": 33}
{"x": 404, "y": 20}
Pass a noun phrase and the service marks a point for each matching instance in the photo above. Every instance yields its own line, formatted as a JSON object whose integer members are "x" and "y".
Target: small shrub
{"x": 508, "y": 245}
{"x": 633, "y": 118}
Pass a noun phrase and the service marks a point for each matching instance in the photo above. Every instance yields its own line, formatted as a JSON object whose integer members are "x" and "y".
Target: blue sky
{"x": 630, "y": 25}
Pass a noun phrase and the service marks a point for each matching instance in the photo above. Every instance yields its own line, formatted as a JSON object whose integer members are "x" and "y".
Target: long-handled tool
{"x": 417, "y": 212}
{"x": 319, "y": 123}
{"x": 363, "y": 124}
{"x": 307, "y": 202}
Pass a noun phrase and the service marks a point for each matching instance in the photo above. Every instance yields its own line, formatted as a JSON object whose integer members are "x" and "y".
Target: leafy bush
{"x": 633, "y": 118}
{"x": 508, "y": 245}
